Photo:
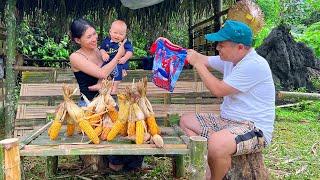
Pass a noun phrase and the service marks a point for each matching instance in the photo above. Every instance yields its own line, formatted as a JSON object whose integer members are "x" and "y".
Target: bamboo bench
{"x": 29, "y": 117}
{"x": 184, "y": 92}
{"x": 53, "y": 75}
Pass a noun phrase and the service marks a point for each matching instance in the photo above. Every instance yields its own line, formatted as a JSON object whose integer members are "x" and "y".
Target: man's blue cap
{"x": 234, "y": 31}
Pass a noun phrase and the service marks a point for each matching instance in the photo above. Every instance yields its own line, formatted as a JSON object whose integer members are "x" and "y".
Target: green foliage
{"x": 271, "y": 10}
{"x": 315, "y": 82}
{"x": 311, "y": 37}
{"x": 34, "y": 43}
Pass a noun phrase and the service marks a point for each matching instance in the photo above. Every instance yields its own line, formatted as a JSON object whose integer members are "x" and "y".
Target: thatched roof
{"x": 149, "y": 16}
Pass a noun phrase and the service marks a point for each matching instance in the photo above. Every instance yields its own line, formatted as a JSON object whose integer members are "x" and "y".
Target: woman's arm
{"x": 80, "y": 63}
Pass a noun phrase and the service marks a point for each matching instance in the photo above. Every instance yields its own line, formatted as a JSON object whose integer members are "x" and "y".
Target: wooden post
{"x": 198, "y": 155}
{"x": 10, "y": 82}
{"x": 10, "y": 159}
{"x": 190, "y": 13}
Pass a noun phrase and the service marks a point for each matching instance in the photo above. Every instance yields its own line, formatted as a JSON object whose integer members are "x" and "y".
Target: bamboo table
{"x": 39, "y": 144}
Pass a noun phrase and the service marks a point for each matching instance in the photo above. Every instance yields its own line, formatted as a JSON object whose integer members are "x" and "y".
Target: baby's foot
{"x": 95, "y": 87}
{"x": 124, "y": 73}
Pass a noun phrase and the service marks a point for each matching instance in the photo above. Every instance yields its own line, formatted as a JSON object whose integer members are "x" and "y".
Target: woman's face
{"x": 89, "y": 39}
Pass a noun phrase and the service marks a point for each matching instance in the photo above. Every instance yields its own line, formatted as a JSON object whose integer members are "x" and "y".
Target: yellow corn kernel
{"x": 152, "y": 125}
{"x": 116, "y": 128}
{"x": 70, "y": 129}
{"x": 98, "y": 130}
{"x": 54, "y": 130}
{"x": 123, "y": 131}
{"x": 113, "y": 113}
{"x": 105, "y": 133}
{"x": 139, "y": 132}
{"x": 131, "y": 128}
{"x": 88, "y": 130}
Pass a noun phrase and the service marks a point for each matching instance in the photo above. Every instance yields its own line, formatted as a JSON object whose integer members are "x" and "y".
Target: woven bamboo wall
{"x": 199, "y": 43}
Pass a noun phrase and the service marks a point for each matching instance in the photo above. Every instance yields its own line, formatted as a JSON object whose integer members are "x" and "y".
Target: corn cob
{"x": 88, "y": 130}
{"x": 113, "y": 113}
{"x": 54, "y": 129}
{"x": 94, "y": 118}
{"x": 152, "y": 125}
{"x": 70, "y": 129}
{"x": 115, "y": 130}
{"x": 56, "y": 125}
{"x": 105, "y": 133}
{"x": 123, "y": 131}
{"x": 131, "y": 128}
{"x": 98, "y": 130}
{"x": 139, "y": 132}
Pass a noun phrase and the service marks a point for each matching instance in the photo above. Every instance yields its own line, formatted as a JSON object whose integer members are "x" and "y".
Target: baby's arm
{"x": 125, "y": 58}
{"x": 104, "y": 54}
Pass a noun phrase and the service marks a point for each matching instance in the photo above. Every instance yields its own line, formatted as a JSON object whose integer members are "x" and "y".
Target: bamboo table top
{"x": 79, "y": 145}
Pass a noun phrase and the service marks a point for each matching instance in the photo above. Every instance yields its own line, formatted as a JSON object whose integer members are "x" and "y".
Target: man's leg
{"x": 190, "y": 125}
{"x": 221, "y": 147}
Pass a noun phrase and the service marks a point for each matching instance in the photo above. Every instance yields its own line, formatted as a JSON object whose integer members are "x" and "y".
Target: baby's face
{"x": 118, "y": 33}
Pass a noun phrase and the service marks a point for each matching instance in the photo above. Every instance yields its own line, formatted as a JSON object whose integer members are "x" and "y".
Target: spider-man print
{"x": 168, "y": 63}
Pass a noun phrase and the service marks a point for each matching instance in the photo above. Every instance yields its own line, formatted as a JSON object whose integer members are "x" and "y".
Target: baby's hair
{"x": 78, "y": 27}
{"x": 119, "y": 21}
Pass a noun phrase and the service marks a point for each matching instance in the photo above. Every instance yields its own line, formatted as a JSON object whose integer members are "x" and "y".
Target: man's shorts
{"x": 249, "y": 139}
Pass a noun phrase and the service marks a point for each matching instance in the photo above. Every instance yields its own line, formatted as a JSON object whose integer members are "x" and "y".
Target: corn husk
{"x": 247, "y": 12}
{"x": 143, "y": 101}
{"x": 157, "y": 140}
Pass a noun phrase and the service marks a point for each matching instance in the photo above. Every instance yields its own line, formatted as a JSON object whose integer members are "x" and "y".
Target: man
{"x": 247, "y": 113}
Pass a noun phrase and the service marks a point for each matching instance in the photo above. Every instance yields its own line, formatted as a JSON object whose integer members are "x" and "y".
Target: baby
{"x": 109, "y": 48}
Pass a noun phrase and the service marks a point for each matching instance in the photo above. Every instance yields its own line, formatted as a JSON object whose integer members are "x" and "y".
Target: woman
{"x": 86, "y": 64}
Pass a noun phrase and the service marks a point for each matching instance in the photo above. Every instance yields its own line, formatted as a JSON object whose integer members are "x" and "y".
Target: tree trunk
{"x": 248, "y": 166}
{"x": 10, "y": 76}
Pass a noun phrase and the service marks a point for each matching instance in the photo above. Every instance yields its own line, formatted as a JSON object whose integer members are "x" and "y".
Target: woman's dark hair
{"x": 78, "y": 27}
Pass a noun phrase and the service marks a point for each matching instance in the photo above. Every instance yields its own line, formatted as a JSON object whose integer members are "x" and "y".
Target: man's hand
{"x": 193, "y": 58}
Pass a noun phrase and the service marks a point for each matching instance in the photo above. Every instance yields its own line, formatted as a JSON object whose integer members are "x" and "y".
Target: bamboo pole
{"x": 178, "y": 166}
{"x": 10, "y": 159}
{"x": 198, "y": 156}
{"x": 281, "y": 95}
{"x": 10, "y": 83}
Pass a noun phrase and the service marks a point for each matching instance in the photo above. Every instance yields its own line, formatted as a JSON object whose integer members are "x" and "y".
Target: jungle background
{"x": 295, "y": 150}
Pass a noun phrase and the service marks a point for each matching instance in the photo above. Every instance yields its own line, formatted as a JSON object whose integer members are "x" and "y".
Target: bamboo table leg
{"x": 178, "y": 166}
{"x": 199, "y": 151}
{"x": 10, "y": 159}
{"x": 52, "y": 166}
